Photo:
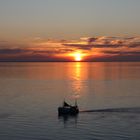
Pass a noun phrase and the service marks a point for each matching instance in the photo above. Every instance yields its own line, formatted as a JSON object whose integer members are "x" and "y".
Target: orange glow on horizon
{"x": 77, "y": 56}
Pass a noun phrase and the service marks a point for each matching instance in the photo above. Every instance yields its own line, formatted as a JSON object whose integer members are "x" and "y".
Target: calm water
{"x": 31, "y": 92}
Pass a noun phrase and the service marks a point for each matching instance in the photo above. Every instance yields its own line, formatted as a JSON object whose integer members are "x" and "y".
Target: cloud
{"x": 105, "y": 42}
{"x": 39, "y": 49}
{"x": 134, "y": 45}
{"x": 13, "y": 51}
{"x": 122, "y": 52}
{"x": 80, "y": 46}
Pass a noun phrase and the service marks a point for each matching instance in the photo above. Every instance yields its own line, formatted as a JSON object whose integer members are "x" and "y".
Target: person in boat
{"x": 66, "y": 104}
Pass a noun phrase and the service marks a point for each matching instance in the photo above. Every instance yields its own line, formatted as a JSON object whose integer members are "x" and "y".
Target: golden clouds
{"x": 84, "y": 49}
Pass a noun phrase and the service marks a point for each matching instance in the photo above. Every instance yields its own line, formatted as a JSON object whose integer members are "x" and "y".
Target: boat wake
{"x": 119, "y": 110}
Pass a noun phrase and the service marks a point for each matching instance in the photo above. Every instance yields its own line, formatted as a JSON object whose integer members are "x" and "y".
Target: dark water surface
{"x": 108, "y": 96}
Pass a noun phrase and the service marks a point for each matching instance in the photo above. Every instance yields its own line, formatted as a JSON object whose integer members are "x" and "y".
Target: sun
{"x": 78, "y": 56}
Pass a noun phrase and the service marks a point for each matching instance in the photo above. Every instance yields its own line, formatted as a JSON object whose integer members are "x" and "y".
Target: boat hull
{"x": 68, "y": 110}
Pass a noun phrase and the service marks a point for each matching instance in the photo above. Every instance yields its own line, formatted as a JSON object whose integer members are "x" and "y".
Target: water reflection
{"x": 68, "y": 119}
{"x": 77, "y": 71}
{"x": 76, "y": 83}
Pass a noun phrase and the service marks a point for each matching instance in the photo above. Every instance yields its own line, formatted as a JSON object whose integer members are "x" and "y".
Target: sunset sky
{"x": 69, "y": 30}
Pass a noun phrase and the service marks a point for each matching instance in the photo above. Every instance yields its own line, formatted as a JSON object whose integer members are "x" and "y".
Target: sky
{"x": 57, "y": 30}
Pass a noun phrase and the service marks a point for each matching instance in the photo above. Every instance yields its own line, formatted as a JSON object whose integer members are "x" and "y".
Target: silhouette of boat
{"x": 67, "y": 109}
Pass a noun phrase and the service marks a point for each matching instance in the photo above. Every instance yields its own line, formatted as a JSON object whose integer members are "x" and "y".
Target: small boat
{"x": 67, "y": 109}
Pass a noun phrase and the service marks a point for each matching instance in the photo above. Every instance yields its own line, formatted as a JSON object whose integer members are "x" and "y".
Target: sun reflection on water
{"x": 78, "y": 76}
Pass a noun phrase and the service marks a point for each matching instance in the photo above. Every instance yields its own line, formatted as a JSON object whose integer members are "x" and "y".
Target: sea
{"x": 108, "y": 96}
